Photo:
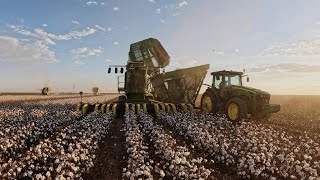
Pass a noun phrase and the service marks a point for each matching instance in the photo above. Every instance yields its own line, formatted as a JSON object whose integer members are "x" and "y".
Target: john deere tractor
{"x": 227, "y": 95}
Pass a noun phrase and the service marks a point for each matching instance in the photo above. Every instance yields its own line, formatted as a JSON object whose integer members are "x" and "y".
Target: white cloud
{"x": 301, "y": 48}
{"x": 101, "y": 28}
{"x": 48, "y": 38}
{"x": 115, "y": 43}
{"x": 162, "y": 21}
{"x": 116, "y": 8}
{"x": 182, "y": 4}
{"x": 44, "y": 25}
{"x": 85, "y": 52}
{"x": 13, "y": 49}
{"x": 286, "y": 67}
{"x": 236, "y": 50}
{"x": 108, "y": 60}
{"x": 183, "y": 62}
{"x": 158, "y": 11}
{"x": 75, "y": 22}
{"x": 152, "y": 1}
{"x": 220, "y": 53}
{"x": 109, "y": 29}
{"x": 90, "y": 3}
{"x": 102, "y": 3}
{"x": 79, "y": 63}
{"x": 73, "y": 34}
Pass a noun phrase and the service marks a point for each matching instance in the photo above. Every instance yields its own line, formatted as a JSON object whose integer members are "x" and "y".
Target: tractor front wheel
{"x": 236, "y": 109}
{"x": 209, "y": 103}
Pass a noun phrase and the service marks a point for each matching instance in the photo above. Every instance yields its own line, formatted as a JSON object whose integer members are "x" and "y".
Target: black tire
{"x": 242, "y": 111}
{"x": 213, "y": 101}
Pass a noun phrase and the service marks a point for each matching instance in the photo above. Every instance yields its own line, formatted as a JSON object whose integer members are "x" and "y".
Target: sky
{"x": 65, "y": 44}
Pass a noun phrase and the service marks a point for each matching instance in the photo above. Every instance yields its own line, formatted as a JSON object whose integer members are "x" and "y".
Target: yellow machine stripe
{"x": 144, "y": 107}
{"x": 190, "y": 107}
{"x": 78, "y": 107}
{"x": 156, "y": 108}
{"x": 173, "y": 106}
{"x": 167, "y": 107}
{"x": 126, "y": 107}
{"x": 85, "y": 109}
{"x": 184, "y": 107}
{"x": 108, "y": 108}
{"x": 138, "y": 108}
{"x": 103, "y": 108}
{"x": 163, "y": 108}
{"x": 96, "y": 107}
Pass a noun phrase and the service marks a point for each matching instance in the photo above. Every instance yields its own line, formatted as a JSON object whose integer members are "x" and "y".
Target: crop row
{"x": 21, "y": 128}
{"x": 253, "y": 151}
{"x": 67, "y": 154}
{"x": 175, "y": 160}
{"x": 139, "y": 163}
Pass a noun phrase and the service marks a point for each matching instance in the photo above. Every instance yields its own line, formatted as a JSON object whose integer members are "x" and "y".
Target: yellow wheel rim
{"x": 206, "y": 104}
{"x": 233, "y": 111}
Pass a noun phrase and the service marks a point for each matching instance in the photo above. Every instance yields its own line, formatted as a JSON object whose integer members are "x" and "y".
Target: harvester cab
{"x": 227, "y": 95}
{"x": 146, "y": 85}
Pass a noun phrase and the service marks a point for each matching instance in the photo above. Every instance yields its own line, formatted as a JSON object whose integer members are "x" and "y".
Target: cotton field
{"x": 47, "y": 139}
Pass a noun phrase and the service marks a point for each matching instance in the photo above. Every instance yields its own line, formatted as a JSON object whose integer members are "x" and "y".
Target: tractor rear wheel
{"x": 209, "y": 103}
{"x": 236, "y": 109}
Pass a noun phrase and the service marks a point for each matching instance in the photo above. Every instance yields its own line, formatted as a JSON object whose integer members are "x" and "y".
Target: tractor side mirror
{"x": 121, "y": 70}
{"x": 116, "y": 70}
{"x": 109, "y": 70}
{"x": 248, "y": 79}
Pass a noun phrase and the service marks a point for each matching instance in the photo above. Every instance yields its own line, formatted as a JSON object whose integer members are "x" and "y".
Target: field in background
{"x": 29, "y": 97}
{"x": 297, "y": 112}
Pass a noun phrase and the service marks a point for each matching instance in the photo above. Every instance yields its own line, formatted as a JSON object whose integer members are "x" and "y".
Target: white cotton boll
{"x": 48, "y": 174}
{"x": 177, "y": 160}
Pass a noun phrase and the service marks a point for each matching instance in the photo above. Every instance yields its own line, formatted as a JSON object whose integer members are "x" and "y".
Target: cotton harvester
{"x": 95, "y": 91}
{"x": 147, "y": 87}
{"x": 46, "y": 90}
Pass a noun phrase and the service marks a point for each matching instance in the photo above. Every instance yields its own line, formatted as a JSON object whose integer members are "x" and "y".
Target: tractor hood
{"x": 250, "y": 89}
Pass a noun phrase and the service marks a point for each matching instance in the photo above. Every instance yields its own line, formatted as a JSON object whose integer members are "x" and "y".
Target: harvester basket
{"x": 179, "y": 86}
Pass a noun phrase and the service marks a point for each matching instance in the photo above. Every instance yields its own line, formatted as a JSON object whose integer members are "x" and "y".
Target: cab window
{"x": 217, "y": 81}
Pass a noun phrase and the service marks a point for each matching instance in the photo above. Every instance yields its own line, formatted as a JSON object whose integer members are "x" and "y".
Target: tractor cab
{"x": 223, "y": 81}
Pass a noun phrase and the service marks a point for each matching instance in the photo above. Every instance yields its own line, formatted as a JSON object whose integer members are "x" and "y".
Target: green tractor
{"x": 228, "y": 96}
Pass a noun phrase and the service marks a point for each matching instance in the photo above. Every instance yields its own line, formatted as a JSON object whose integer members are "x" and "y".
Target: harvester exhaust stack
{"x": 146, "y": 88}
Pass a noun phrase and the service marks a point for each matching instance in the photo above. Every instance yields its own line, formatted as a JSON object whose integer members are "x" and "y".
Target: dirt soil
{"x": 111, "y": 155}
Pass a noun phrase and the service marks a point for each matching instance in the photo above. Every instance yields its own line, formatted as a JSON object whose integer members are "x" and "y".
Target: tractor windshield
{"x": 233, "y": 80}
